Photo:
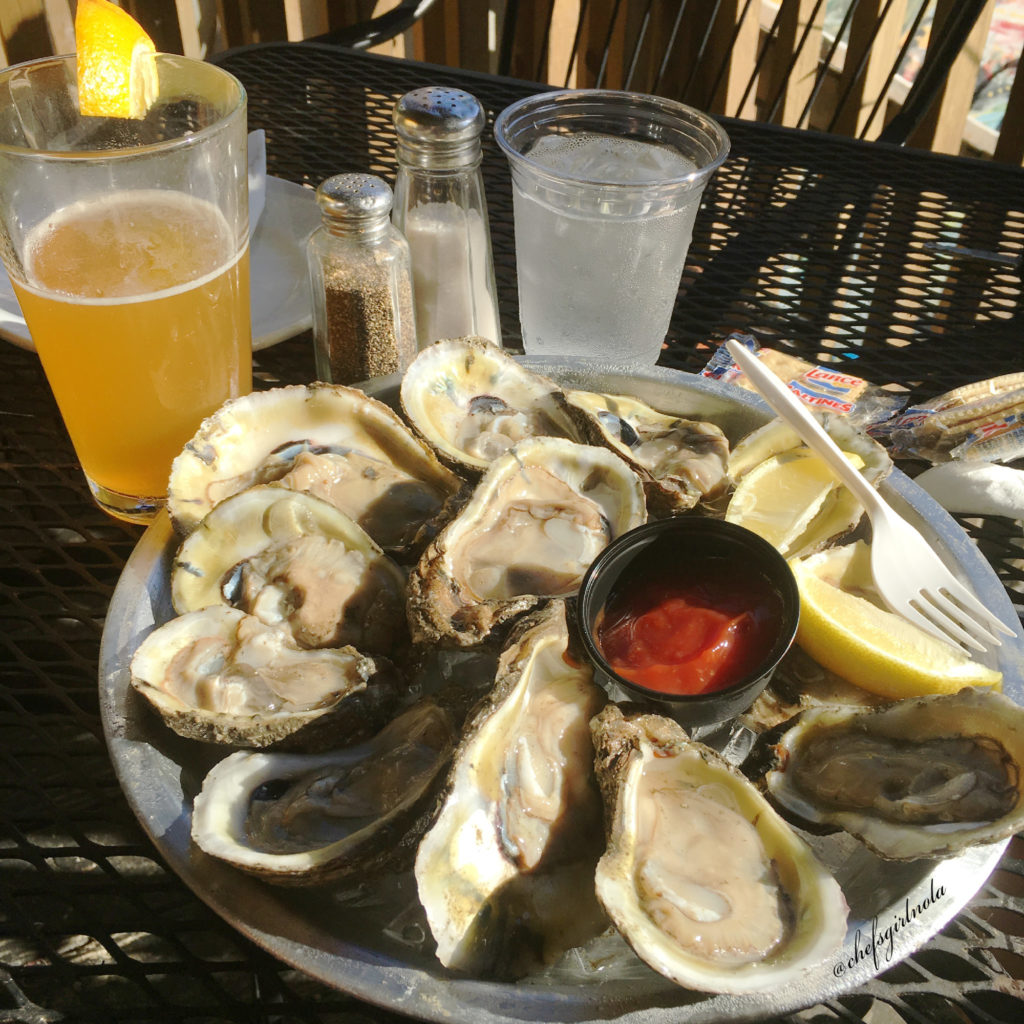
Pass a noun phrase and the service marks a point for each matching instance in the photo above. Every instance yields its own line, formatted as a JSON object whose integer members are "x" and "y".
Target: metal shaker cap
{"x": 438, "y": 120}
{"x": 355, "y": 197}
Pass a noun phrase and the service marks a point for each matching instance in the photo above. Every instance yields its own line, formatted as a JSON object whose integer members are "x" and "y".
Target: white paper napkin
{"x": 976, "y": 487}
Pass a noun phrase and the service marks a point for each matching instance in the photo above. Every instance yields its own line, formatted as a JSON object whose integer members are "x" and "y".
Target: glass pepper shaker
{"x": 441, "y": 209}
{"x": 359, "y": 267}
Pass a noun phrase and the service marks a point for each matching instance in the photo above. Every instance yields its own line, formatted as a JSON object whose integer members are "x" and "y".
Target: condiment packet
{"x": 983, "y": 421}
{"x": 817, "y": 386}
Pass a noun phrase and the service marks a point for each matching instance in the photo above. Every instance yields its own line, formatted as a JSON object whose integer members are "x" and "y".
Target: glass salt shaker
{"x": 359, "y": 267}
{"x": 441, "y": 209}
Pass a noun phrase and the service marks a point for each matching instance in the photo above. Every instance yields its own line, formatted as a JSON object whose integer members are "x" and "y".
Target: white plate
{"x": 279, "y": 291}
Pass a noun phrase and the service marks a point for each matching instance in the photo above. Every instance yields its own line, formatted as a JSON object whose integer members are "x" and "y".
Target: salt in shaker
{"x": 441, "y": 209}
{"x": 359, "y": 266}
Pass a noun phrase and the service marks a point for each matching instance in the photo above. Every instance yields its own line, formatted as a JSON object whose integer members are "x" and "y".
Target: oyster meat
{"x": 924, "y": 777}
{"x": 505, "y": 874}
{"x": 226, "y": 677}
{"x": 533, "y": 525}
{"x": 300, "y": 819}
{"x": 292, "y": 558}
{"x": 332, "y": 441}
{"x": 681, "y": 461}
{"x": 703, "y": 879}
{"x": 471, "y": 402}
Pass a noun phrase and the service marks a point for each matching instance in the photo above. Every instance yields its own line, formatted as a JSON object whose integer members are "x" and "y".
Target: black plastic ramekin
{"x": 631, "y": 560}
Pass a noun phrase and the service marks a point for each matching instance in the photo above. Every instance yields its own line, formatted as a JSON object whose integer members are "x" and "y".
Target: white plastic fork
{"x": 908, "y": 574}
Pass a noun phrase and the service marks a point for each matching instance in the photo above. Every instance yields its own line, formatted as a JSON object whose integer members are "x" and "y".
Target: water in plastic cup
{"x": 606, "y": 188}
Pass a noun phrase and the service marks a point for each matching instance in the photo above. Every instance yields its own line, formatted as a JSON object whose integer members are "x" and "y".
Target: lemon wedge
{"x": 845, "y": 628}
{"x": 116, "y": 67}
{"x": 781, "y": 497}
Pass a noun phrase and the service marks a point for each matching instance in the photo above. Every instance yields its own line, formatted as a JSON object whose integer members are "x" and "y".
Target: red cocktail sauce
{"x": 697, "y": 627}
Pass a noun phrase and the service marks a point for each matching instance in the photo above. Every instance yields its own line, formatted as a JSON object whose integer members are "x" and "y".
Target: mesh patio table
{"x": 845, "y": 253}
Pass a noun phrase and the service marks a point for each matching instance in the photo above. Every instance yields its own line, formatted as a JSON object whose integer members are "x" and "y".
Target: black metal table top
{"x": 820, "y": 246}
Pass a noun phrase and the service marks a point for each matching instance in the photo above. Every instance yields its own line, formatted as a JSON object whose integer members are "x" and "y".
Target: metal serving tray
{"x": 368, "y": 940}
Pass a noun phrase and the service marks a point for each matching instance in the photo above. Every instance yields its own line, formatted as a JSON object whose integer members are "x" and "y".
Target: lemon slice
{"x": 780, "y": 498}
{"x": 116, "y": 67}
{"x": 844, "y": 627}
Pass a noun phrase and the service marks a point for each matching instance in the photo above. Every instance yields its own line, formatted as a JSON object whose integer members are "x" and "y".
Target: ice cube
{"x": 609, "y": 158}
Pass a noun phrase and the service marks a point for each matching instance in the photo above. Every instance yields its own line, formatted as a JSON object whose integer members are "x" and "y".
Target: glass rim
{"x": 551, "y": 99}
{"x": 85, "y": 155}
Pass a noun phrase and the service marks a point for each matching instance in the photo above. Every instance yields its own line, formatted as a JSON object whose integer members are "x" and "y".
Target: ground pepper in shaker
{"x": 441, "y": 209}
{"x": 359, "y": 266}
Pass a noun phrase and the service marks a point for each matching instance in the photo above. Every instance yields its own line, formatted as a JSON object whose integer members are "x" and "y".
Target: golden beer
{"x": 140, "y": 297}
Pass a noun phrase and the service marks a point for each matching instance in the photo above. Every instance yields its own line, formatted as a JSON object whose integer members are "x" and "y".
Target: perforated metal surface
{"x": 813, "y": 243}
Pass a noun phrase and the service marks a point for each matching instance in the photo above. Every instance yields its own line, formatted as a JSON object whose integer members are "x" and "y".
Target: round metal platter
{"x": 369, "y": 941}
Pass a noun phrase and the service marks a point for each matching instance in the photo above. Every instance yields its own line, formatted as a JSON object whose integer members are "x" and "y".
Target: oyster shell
{"x": 289, "y": 557}
{"x": 839, "y": 512}
{"x": 681, "y": 461}
{"x": 332, "y": 441}
{"x": 777, "y": 436}
{"x": 300, "y": 819}
{"x": 533, "y": 525}
{"x": 800, "y": 683}
{"x": 471, "y": 402}
{"x": 223, "y": 676}
{"x": 505, "y": 874}
{"x": 703, "y": 879}
{"x": 925, "y": 777}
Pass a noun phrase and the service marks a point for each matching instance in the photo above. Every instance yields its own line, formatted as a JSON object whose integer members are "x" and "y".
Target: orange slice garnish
{"x": 116, "y": 67}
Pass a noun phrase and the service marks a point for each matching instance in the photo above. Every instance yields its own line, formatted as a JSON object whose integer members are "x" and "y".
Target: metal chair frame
{"x": 629, "y": 25}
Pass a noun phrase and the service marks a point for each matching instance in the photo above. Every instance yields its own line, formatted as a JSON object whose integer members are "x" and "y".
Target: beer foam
{"x": 128, "y": 247}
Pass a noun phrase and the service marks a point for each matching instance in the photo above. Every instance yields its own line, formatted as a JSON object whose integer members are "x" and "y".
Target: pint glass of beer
{"x": 127, "y": 245}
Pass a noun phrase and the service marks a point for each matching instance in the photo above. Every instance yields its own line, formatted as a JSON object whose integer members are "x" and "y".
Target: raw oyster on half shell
{"x": 292, "y": 558}
{"x": 332, "y": 441}
{"x": 681, "y": 461}
{"x": 534, "y": 523}
{"x": 703, "y": 879}
{"x": 924, "y": 777}
{"x": 300, "y": 819}
{"x": 505, "y": 874}
{"x": 471, "y": 402}
{"x": 223, "y": 676}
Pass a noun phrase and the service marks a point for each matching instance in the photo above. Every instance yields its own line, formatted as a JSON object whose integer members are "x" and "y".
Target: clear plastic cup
{"x": 606, "y": 187}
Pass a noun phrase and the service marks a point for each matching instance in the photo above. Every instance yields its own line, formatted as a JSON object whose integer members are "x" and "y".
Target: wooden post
{"x": 438, "y": 35}
{"x": 732, "y": 55}
{"x": 942, "y": 129}
{"x": 62, "y": 25}
{"x": 188, "y": 25}
{"x": 23, "y": 31}
{"x": 1010, "y": 145}
{"x": 869, "y": 66}
{"x": 474, "y": 35}
{"x": 305, "y": 18}
{"x": 563, "y": 61}
{"x": 793, "y": 67}
{"x": 601, "y": 45}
